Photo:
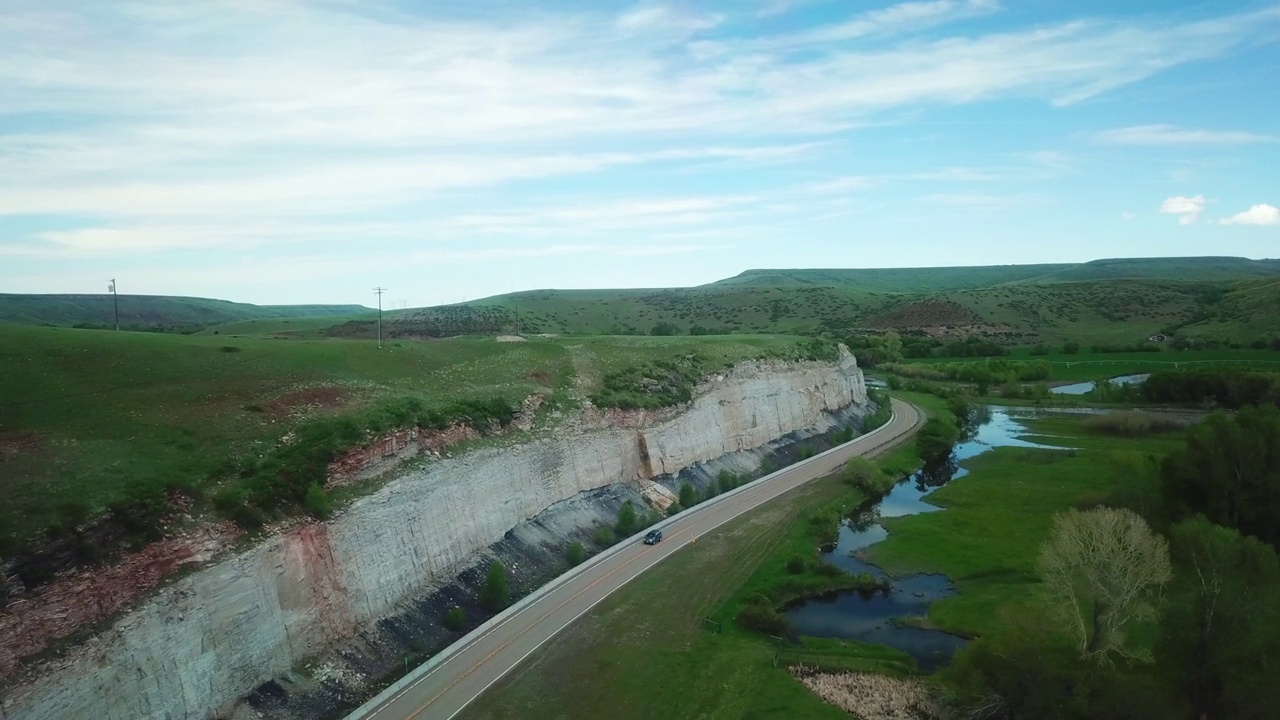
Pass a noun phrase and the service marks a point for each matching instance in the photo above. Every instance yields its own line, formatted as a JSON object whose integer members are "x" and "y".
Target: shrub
{"x": 604, "y": 536}
{"x": 760, "y": 615}
{"x": 688, "y": 495}
{"x": 829, "y": 570}
{"x": 626, "y": 519}
{"x": 867, "y": 476}
{"x": 674, "y": 508}
{"x": 726, "y": 481}
{"x": 1131, "y": 423}
{"x": 576, "y": 553}
{"x": 496, "y": 594}
{"x": 455, "y": 619}
{"x": 318, "y": 502}
{"x": 796, "y": 564}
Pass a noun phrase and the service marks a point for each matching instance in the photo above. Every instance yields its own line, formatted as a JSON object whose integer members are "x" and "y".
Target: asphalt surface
{"x": 448, "y": 687}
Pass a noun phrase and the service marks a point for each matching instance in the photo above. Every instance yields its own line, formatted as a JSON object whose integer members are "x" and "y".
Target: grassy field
{"x": 997, "y": 517}
{"x": 1096, "y": 366}
{"x": 150, "y": 311}
{"x": 87, "y": 416}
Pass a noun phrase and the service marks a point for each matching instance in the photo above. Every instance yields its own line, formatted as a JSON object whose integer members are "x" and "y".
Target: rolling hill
{"x": 150, "y": 311}
{"x": 1119, "y": 301}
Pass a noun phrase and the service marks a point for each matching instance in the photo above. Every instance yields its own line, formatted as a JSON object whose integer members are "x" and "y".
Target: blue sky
{"x": 281, "y": 151}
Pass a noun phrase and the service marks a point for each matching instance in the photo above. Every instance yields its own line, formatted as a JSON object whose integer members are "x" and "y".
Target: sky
{"x": 308, "y": 151}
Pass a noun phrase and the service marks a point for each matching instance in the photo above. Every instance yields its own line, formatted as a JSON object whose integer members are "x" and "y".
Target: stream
{"x": 869, "y": 616}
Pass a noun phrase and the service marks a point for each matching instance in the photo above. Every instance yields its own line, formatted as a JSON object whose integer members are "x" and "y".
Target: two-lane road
{"x": 443, "y": 687}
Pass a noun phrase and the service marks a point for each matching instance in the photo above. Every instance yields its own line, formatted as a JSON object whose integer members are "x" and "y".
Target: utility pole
{"x": 115, "y": 299}
{"x": 379, "y": 291}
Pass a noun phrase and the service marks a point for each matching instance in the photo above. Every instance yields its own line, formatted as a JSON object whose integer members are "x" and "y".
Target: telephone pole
{"x": 115, "y": 300}
{"x": 379, "y": 291}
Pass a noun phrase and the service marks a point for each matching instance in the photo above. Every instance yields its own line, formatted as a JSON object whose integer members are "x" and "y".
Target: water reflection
{"x": 1087, "y": 387}
{"x": 869, "y": 617}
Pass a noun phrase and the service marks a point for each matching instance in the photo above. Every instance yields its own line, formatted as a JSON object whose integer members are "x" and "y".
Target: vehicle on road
{"x": 653, "y": 538}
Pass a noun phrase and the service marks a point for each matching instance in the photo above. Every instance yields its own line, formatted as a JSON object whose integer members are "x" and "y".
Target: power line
{"x": 379, "y": 291}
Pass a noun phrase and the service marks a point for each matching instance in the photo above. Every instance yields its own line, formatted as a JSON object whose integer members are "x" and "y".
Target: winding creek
{"x": 870, "y": 616}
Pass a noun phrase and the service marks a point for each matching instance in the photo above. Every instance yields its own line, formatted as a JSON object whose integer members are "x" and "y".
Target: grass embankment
{"x": 95, "y": 419}
{"x": 646, "y": 651}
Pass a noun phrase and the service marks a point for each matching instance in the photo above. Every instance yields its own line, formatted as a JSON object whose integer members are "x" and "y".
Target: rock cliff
{"x": 208, "y": 639}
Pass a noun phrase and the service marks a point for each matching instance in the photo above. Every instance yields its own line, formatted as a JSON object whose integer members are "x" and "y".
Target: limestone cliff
{"x": 206, "y": 640}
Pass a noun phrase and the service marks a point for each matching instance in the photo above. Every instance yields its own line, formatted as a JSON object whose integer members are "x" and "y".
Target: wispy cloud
{"x": 1257, "y": 215}
{"x": 1187, "y": 209}
{"x": 231, "y": 124}
{"x": 1171, "y": 135}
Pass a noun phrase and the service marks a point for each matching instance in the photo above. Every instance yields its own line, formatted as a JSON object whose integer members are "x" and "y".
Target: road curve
{"x": 442, "y": 687}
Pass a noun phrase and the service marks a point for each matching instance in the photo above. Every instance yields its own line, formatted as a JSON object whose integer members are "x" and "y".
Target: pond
{"x": 1085, "y": 387}
{"x": 870, "y": 617}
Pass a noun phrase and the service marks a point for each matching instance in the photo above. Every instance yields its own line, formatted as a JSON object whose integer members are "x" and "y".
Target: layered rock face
{"x": 210, "y": 638}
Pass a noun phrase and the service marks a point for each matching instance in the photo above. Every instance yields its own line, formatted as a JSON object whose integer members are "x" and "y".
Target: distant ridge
{"x": 151, "y": 311}
{"x": 943, "y": 279}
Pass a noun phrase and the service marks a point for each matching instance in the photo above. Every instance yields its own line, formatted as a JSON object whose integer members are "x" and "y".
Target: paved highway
{"x": 440, "y": 689}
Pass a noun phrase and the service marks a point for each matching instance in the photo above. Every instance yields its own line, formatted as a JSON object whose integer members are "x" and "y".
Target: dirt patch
{"x": 88, "y": 595}
{"x": 873, "y": 696}
{"x": 925, "y": 313}
{"x": 14, "y": 444}
{"x": 364, "y": 462}
{"x": 300, "y": 403}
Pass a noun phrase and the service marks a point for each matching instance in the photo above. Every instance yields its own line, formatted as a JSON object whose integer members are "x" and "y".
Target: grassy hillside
{"x": 89, "y": 418}
{"x": 150, "y": 311}
{"x": 945, "y": 279}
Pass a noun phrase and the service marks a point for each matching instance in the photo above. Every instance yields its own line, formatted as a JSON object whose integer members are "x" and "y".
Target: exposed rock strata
{"x": 210, "y": 638}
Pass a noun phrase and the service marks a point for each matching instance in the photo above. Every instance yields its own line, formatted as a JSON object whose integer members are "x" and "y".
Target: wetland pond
{"x": 1087, "y": 387}
{"x": 870, "y": 616}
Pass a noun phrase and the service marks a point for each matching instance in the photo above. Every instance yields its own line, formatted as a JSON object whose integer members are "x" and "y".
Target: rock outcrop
{"x": 206, "y": 640}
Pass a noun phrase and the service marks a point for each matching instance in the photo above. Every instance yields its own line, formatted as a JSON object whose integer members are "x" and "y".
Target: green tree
{"x": 1101, "y": 568}
{"x": 318, "y": 502}
{"x": 1223, "y": 620}
{"x": 604, "y": 536}
{"x": 576, "y": 553}
{"x": 626, "y": 524}
{"x": 455, "y": 619}
{"x": 1229, "y": 470}
{"x": 496, "y": 594}
{"x": 936, "y": 439}
{"x": 688, "y": 495}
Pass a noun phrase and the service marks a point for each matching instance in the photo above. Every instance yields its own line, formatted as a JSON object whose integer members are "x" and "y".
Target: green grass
{"x": 92, "y": 417}
{"x": 150, "y": 311}
{"x": 645, "y": 653}
{"x": 996, "y": 518}
{"x": 1095, "y": 366}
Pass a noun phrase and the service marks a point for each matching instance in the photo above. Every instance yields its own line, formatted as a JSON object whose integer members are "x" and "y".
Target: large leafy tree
{"x": 1221, "y": 631}
{"x": 1101, "y": 568}
{"x": 1229, "y": 470}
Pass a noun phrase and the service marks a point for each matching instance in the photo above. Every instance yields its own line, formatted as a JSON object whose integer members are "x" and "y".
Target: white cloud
{"x": 1127, "y": 216}
{"x": 1256, "y": 215}
{"x": 1187, "y": 209}
{"x": 1171, "y": 135}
